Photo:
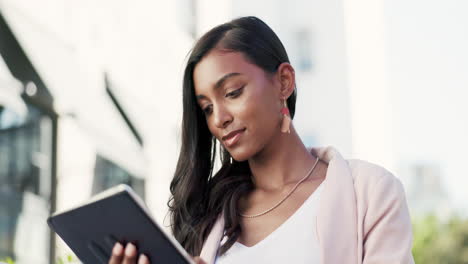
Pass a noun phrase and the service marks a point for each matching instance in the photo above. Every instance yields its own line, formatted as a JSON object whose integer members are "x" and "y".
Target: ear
{"x": 287, "y": 79}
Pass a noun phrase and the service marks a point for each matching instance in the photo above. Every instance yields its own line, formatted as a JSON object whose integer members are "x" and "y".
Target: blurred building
{"x": 52, "y": 157}
{"x": 426, "y": 191}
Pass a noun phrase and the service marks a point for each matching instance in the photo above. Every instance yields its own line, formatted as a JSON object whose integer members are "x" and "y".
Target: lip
{"x": 233, "y": 137}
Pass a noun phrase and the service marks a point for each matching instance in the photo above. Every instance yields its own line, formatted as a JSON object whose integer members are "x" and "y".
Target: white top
{"x": 294, "y": 241}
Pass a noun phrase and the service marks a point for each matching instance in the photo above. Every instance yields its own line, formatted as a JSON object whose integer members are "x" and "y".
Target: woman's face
{"x": 241, "y": 102}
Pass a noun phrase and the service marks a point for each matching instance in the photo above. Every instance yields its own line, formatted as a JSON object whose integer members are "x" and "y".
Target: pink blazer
{"x": 363, "y": 216}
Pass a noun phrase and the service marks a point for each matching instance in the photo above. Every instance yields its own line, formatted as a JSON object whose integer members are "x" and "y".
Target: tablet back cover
{"x": 91, "y": 231}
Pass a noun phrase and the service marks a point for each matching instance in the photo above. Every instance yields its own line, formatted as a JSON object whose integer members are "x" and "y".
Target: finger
{"x": 117, "y": 254}
{"x": 143, "y": 259}
{"x": 130, "y": 254}
{"x": 199, "y": 260}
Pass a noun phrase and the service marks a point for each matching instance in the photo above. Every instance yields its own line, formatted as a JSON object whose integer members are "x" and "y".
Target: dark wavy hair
{"x": 197, "y": 196}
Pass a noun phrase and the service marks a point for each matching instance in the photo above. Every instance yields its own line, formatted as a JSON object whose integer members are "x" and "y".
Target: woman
{"x": 273, "y": 200}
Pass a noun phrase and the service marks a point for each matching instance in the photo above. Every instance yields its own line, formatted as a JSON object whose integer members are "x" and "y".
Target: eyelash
{"x": 233, "y": 94}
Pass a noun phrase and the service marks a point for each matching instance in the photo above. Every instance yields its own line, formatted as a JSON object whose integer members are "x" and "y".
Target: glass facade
{"x": 108, "y": 174}
{"x": 28, "y": 158}
{"x": 26, "y": 194}
{"x": 25, "y": 185}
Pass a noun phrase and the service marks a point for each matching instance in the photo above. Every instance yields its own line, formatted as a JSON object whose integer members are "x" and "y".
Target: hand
{"x": 128, "y": 255}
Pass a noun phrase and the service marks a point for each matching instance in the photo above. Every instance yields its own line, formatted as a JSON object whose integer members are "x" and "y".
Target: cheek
{"x": 261, "y": 115}
{"x": 266, "y": 122}
{"x": 262, "y": 124}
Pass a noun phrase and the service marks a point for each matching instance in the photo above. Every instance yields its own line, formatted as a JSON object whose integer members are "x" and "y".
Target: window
{"x": 25, "y": 187}
{"x": 108, "y": 174}
{"x": 304, "y": 50}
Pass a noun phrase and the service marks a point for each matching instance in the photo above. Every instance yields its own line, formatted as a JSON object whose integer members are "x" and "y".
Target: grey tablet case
{"x": 117, "y": 214}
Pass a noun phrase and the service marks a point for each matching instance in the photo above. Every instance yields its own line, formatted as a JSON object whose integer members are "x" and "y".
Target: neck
{"x": 283, "y": 161}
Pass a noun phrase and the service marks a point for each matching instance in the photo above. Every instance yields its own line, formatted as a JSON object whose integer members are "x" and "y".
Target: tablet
{"x": 117, "y": 214}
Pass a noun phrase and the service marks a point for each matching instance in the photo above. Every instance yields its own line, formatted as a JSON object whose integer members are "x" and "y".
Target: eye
{"x": 235, "y": 93}
{"x": 207, "y": 110}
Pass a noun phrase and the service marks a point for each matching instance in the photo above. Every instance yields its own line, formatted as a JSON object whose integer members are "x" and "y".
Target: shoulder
{"x": 370, "y": 178}
{"x": 383, "y": 214}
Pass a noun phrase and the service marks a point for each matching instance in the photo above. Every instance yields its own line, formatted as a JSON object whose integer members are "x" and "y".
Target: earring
{"x": 286, "y": 122}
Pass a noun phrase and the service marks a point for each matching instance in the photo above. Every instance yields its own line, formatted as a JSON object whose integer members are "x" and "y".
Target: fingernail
{"x": 130, "y": 250}
{"x": 117, "y": 250}
{"x": 143, "y": 259}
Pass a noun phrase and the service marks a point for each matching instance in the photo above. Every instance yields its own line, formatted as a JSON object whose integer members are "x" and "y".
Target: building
{"x": 52, "y": 157}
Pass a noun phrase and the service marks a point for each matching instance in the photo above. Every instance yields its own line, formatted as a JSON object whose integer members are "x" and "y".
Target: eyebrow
{"x": 220, "y": 82}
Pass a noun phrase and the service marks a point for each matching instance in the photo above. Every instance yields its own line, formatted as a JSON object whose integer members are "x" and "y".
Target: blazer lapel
{"x": 337, "y": 215}
{"x": 210, "y": 247}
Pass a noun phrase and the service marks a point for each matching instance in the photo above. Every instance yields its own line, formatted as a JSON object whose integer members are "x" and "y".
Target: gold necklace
{"x": 286, "y": 197}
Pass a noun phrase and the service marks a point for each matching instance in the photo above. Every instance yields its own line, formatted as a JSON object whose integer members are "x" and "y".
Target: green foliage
{"x": 440, "y": 242}
{"x": 61, "y": 260}
{"x": 7, "y": 260}
{"x": 67, "y": 259}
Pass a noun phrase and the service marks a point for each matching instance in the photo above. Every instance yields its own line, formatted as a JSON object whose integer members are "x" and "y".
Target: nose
{"x": 222, "y": 117}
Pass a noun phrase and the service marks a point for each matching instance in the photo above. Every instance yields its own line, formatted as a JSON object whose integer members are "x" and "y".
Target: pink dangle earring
{"x": 286, "y": 123}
